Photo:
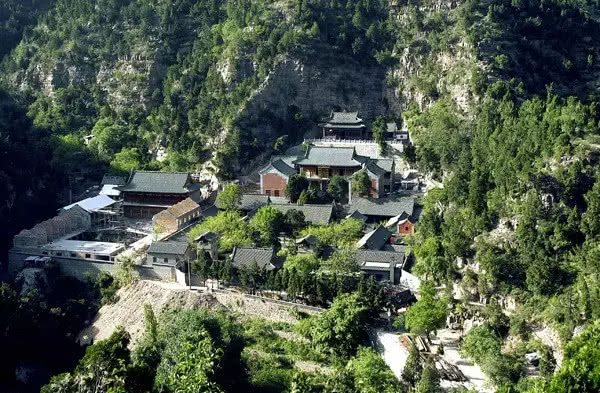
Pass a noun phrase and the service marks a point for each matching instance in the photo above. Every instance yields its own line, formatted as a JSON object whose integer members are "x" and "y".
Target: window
{"x": 59, "y": 254}
{"x": 276, "y": 193}
{"x": 73, "y": 255}
{"x": 154, "y": 259}
{"x": 166, "y": 260}
{"x": 88, "y": 255}
{"x": 268, "y": 192}
{"x": 45, "y": 252}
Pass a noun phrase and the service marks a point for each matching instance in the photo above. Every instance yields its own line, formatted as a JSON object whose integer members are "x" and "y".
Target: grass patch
{"x": 271, "y": 358}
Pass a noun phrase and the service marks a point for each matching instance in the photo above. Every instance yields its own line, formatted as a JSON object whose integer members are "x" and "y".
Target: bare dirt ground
{"x": 395, "y": 355}
{"x": 477, "y": 379}
{"x": 128, "y": 311}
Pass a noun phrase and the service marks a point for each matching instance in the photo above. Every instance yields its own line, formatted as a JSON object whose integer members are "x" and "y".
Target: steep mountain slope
{"x": 190, "y": 75}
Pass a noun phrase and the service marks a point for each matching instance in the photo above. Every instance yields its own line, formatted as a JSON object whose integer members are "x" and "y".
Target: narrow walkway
{"x": 476, "y": 377}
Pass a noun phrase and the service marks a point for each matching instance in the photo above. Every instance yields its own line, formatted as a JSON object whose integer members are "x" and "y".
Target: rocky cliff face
{"x": 434, "y": 62}
{"x": 317, "y": 85}
{"x": 127, "y": 82}
{"x": 301, "y": 86}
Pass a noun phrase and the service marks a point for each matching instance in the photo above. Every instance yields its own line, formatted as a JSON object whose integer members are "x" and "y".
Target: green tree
{"x": 267, "y": 223}
{"x": 125, "y": 274}
{"x": 227, "y": 271}
{"x": 343, "y": 261}
{"x": 194, "y": 366}
{"x": 294, "y": 221}
{"x": 103, "y": 368}
{"x": 127, "y": 160}
{"x": 230, "y": 198}
{"x": 302, "y": 384}
{"x": 379, "y": 129}
{"x": 302, "y": 262}
{"x": 428, "y": 313}
{"x": 343, "y": 234}
{"x": 340, "y": 329}
{"x": 338, "y": 188}
{"x": 295, "y": 186}
{"x": 431, "y": 264}
{"x": 370, "y": 374}
{"x": 590, "y": 220}
{"x": 361, "y": 184}
{"x": 411, "y": 373}
{"x": 252, "y": 275}
{"x": 109, "y": 138}
{"x": 305, "y": 198}
{"x": 201, "y": 266}
{"x": 232, "y": 230}
{"x": 580, "y": 370}
{"x": 430, "y": 380}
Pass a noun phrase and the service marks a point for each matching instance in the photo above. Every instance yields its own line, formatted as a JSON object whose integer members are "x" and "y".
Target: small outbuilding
{"x": 168, "y": 253}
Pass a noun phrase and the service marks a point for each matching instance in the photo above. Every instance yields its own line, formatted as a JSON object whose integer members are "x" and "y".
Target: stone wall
{"x": 75, "y": 267}
{"x": 253, "y": 307}
{"x": 82, "y": 269}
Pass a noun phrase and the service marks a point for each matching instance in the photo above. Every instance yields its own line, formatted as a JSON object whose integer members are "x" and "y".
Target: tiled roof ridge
{"x": 254, "y": 248}
{"x": 172, "y": 172}
{"x": 306, "y": 204}
{"x": 332, "y": 147}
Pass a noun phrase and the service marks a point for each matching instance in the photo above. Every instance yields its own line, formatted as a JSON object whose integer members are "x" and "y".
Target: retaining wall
{"x": 82, "y": 269}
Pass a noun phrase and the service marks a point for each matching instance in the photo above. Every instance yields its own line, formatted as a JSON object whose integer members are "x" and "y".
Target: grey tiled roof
{"x": 283, "y": 167}
{"x": 385, "y": 164}
{"x": 242, "y": 256}
{"x": 344, "y": 118}
{"x": 160, "y": 182}
{"x": 382, "y": 207}
{"x": 308, "y": 239}
{"x": 375, "y": 169}
{"x": 252, "y": 202}
{"x": 391, "y": 257}
{"x": 395, "y": 248}
{"x": 206, "y": 237}
{"x": 170, "y": 248}
{"x": 375, "y": 239}
{"x": 315, "y": 214}
{"x": 357, "y": 215}
{"x": 330, "y": 156}
{"x": 210, "y": 211}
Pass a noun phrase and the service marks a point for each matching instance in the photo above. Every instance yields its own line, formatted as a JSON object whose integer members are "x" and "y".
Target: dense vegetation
{"x": 29, "y": 185}
{"x": 500, "y": 105}
{"x": 204, "y": 351}
{"x": 44, "y": 321}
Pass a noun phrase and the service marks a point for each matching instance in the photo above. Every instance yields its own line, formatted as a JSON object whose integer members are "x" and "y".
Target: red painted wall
{"x": 272, "y": 182}
{"x": 408, "y": 228}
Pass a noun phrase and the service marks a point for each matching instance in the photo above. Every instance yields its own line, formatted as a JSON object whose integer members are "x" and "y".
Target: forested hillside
{"x": 500, "y": 97}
